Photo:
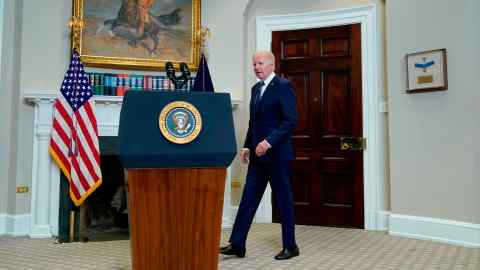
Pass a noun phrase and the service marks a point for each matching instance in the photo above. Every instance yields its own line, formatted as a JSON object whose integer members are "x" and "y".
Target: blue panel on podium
{"x": 142, "y": 144}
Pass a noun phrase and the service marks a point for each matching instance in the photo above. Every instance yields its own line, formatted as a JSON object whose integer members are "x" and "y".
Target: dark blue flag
{"x": 203, "y": 81}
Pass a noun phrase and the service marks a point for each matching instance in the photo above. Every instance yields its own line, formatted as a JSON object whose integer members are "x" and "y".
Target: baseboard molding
{"x": 234, "y": 211}
{"x": 227, "y": 222}
{"x": 439, "y": 230}
{"x": 382, "y": 220}
{"x": 226, "y": 226}
{"x": 3, "y": 224}
{"x": 14, "y": 225}
{"x": 264, "y": 214}
{"x": 376, "y": 220}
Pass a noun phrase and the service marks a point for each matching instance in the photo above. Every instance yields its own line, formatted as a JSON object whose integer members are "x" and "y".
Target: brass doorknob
{"x": 352, "y": 143}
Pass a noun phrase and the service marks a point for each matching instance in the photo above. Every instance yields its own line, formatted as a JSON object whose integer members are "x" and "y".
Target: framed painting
{"x": 137, "y": 34}
{"x": 427, "y": 71}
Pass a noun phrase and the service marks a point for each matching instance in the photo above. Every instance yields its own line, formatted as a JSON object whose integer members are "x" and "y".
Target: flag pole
{"x": 72, "y": 225}
{"x": 205, "y": 34}
{"x": 203, "y": 76}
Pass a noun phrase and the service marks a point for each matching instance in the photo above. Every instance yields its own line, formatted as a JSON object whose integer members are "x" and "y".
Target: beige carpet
{"x": 320, "y": 248}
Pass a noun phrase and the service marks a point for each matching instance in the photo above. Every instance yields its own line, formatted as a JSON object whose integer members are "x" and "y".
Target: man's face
{"x": 262, "y": 66}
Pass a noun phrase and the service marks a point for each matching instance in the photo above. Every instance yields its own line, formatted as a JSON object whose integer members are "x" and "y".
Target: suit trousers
{"x": 258, "y": 175}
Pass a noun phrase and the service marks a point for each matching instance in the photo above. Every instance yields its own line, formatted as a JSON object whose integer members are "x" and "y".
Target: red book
{"x": 122, "y": 85}
{"x": 147, "y": 83}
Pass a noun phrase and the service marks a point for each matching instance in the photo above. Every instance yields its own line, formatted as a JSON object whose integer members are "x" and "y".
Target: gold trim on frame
{"x": 77, "y": 24}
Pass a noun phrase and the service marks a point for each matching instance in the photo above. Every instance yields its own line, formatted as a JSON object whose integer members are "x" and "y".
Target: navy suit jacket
{"x": 273, "y": 118}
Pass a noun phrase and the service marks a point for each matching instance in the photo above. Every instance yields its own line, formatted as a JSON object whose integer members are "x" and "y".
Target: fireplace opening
{"x": 104, "y": 214}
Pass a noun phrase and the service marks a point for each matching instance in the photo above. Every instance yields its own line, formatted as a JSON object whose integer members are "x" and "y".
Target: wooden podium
{"x": 175, "y": 191}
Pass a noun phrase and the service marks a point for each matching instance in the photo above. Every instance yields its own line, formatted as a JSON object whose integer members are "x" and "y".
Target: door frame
{"x": 372, "y": 99}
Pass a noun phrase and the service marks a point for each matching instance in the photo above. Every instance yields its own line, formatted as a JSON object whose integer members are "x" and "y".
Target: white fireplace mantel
{"x": 45, "y": 187}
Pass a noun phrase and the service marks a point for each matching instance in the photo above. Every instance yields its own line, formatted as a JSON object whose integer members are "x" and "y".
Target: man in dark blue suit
{"x": 268, "y": 152}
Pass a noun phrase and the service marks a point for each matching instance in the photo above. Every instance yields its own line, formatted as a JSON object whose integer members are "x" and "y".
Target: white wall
{"x": 4, "y": 156}
{"x": 434, "y": 158}
{"x": 278, "y": 7}
{"x": 10, "y": 53}
{"x": 42, "y": 55}
{"x": 45, "y": 53}
{"x": 226, "y": 62}
{"x": 45, "y": 44}
{"x": 2, "y": 10}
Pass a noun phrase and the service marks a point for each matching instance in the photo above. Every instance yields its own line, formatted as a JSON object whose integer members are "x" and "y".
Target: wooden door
{"x": 324, "y": 66}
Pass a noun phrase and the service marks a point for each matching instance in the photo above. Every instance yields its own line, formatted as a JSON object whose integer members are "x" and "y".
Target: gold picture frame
{"x": 108, "y": 34}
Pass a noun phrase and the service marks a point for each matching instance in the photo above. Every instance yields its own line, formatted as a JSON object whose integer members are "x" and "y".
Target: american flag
{"x": 74, "y": 139}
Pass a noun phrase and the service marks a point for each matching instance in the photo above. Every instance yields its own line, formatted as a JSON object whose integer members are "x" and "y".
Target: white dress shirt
{"x": 266, "y": 82}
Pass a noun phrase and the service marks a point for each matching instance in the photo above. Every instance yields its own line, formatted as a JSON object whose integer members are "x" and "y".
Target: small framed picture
{"x": 427, "y": 71}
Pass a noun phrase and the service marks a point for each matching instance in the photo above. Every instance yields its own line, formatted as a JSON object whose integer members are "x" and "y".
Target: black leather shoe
{"x": 286, "y": 254}
{"x": 230, "y": 250}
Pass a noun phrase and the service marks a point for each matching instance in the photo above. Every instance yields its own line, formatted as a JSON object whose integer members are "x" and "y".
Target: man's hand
{"x": 245, "y": 155}
{"x": 262, "y": 148}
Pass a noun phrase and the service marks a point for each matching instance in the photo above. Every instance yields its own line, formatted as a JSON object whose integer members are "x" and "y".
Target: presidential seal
{"x": 180, "y": 122}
